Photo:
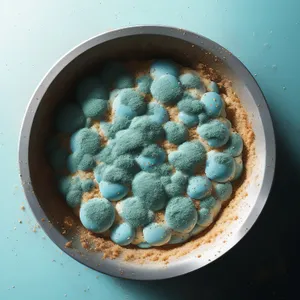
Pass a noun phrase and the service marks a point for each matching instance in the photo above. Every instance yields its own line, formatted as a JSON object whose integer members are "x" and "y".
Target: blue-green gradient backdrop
{"x": 263, "y": 34}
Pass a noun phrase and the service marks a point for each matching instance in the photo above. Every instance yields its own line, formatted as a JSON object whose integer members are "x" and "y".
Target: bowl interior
{"x": 185, "y": 48}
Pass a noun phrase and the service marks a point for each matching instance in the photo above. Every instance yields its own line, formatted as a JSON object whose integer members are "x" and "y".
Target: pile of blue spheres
{"x": 111, "y": 162}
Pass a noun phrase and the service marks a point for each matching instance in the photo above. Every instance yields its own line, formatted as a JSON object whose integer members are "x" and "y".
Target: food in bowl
{"x": 148, "y": 153}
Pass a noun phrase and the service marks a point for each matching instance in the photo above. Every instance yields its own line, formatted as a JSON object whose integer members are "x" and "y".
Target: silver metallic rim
{"x": 186, "y": 265}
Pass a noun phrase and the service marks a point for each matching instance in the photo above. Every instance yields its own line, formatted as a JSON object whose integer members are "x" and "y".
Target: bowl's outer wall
{"x": 150, "y": 42}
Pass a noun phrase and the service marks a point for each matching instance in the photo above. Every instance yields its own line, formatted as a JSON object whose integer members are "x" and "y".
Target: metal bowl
{"x": 142, "y": 42}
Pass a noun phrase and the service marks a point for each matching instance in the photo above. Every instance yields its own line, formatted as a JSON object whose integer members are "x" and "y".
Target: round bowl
{"x": 141, "y": 42}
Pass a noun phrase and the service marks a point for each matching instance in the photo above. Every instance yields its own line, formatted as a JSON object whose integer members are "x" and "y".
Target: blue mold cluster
{"x": 73, "y": 188}
{"x": 135, "y": 175}
{"x": 188, "y": 157}
{"x": 97, "y": 214}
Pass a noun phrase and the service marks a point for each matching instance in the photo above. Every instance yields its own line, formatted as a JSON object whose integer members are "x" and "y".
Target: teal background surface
{"x": 264, "y": 35}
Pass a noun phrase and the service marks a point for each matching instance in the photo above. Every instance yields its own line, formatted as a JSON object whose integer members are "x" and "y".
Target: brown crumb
{"x": 85, "y": 245}
{"x": 68, "y": 222}
{"x": 22, "y": 207}
{"x": 68, "y": 244}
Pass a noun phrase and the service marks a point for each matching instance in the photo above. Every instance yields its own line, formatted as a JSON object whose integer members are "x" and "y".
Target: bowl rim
{"x": 185, "y": 35}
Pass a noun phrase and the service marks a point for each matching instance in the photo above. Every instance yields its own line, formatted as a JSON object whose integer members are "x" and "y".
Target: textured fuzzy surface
{"x": 176, "y": 133}
{"x": 134, "y": 212}
{"x": 220, "y": 166}
{"x": 85, "y": 141}
{"x": 67, "y": 183}
{"x": 127, "y": 162}
{"x": 132, "y": 141}
{"x": 73, "y": 198}
{"x": 64, "y": 184}
{"x": 124, "y": 81}
{"x": 190, "y": 106}
{"x": 116, "y": 175}
{"x": 87, "y": 185}
{"x": 188, "y": 156}
{"x": 189, "y": 120}
{"x": 203, "y": 118}
{"x": 234, "y": 145}
{"x": 223, "y": 191}
{"x": 149, "y": 189}
{"x": 208, "y": 202}
{"x": 144, "y": 83}
{"x": 204, "y": 216}
{"x": 107, "y": 155}
{"x": 151, "y": 157}
{"x": 190, "y": 80}
{"x": 215, "y": 132}
{"x": 119, "y": 123}
{"x": 153, "y": 151}
{"x": 166, "y": 89}
{"x": 98, "y": 171}
{"x": 94, "y": 108}
{"x": 176, "y": 184}
{"x": 181, "y": 214}
{"x": 97, "y": 214}
{"x": 162, "y": 67}
{"x": 162, "y": 170}
{"x": 133, "y": 100}
{"x": 180, "y": 179}
{"x": 199, "y": 187}
{"x": 157, "y": 113}
{"x": 151, "y": 131}
{"x": 79, "y": 161}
